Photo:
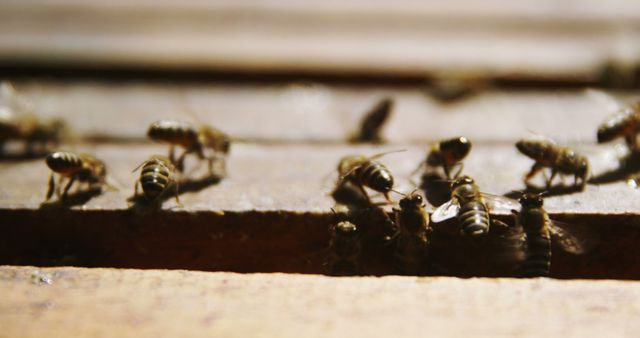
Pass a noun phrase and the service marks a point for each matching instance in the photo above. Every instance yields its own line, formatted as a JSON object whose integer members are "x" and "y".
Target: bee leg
{"x": 210, "y": 165}
{"x": 58, "y": 192}
{"x": 447, "y": 171}
{"x": 364, "y": 192}
{"x": 177, "y": 193}
{"x": 67, "y": 187}
{"x": 180, "y": 163}
{"x": 534, "y": 170}
{"x": 135, "y": 188}
{"x": 550, "y": 180}
{"x": 172, "y": 153}
{"x": 386, "y": 196}
{"x": 421, "y": 166}
{"x": 460, "y": 166}
{"x": 500, "y": 224}
{"x": 631, "y": 140}
{"x": 52, "y": 185}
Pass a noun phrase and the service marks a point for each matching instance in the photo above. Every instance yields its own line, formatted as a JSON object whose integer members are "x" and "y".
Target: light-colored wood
{"x": 133, "y": 303}
{"x": 530, "y": 39}
{"x": 313, "y": 112}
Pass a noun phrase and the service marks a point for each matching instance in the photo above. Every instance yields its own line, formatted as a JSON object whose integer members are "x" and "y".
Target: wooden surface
{"x": 320, "y": 113}
{"x": 543, "y": 40}
{"x": 132, "y": 303}
{"x": 273, "y": 211}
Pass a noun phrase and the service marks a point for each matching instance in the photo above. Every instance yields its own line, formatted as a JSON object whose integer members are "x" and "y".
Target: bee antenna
{"x": 386, "y": 153}
{"x": 399, "y": 193}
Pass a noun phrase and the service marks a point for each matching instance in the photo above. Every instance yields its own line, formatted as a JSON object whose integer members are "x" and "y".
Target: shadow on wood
{"x": 628, "y": 165}
{"x": 77, "y": 198}
{"x": 555, "y": 190}
{"x": 188, "y": 185}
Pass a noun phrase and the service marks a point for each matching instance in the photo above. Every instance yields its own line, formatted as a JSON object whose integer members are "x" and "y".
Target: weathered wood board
{"x": 315, "y": 112}
{"x": 273, "y": 211}
{"x": 132, "y": 303}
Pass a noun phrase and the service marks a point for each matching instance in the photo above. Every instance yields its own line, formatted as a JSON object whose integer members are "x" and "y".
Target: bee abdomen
{"x": 154, "y": 178}
{"x": 376, "y": 176}
{"x": 474, "y": 218}
{"x": 538, "y": 261}
{"x": 172, "y": 132}
{"x": 64, "y": 162}
{"x": 616, "y": 126}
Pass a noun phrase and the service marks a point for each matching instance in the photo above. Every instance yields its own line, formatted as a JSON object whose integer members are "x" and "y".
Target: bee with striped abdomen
{"x": 373, "y": 122}
{"x": 562, "y": 160}
{"x": 81, "y": 167}
{"x": 344, "y": 249}
{"x": 538, "y": 229}
{"x": 412, "y": 237}
{"x": 157, "y": 174}
{"x": 364, "y": 171}
{"x": 193, "y": 140}
{"x": 470, "y": 206}
{"x": 447, "y": 154}
{"x": 624, "y": 123}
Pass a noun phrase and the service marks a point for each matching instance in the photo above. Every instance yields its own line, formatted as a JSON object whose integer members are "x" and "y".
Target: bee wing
{"x": 500, "y": 203}
{"x": 571, "y": 238}
{"x": 446, "y": 211}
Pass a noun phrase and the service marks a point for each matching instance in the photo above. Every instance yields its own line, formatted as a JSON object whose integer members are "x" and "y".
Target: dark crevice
{"x": 286, "y": 242}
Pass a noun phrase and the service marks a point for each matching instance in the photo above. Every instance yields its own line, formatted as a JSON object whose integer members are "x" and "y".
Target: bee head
{"x": 530, "y": 200}
{"x": 346, "y": 229}
{"x": 462, "y": 180}
{"x": 412, "y": 201}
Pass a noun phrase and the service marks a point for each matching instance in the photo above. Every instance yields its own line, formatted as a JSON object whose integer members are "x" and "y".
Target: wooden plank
{"x": 273, "y": 212}
{"x": 299, "y": 178}
{"x": 530, "y": 40}
{"x": 134, "y": 303}
{"x": 315, "y": 112}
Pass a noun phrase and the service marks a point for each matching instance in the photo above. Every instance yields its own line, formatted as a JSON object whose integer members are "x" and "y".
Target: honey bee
{"x": 192, "y": 139}
{"x": 364, "y": 171}
{"x": 547, "y": 153}
{"x": 157, "y": 174}
{"x": 470, "y": 206}
{"x": 413, "y": 230}
{"x": 447, "y": 154}
{"x": 538, "y": 229}
{"x": 373, "y": 122}
{"x": 82, "y": 167}
{"x": 624, "y": 123}
{"x": 344, "y": 249}
{"x": 19, "y": 123}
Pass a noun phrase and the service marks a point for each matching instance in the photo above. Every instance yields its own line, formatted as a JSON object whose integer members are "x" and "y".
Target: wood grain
{"x": 311, "y": 112}
{"x": 134, "y": 303}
